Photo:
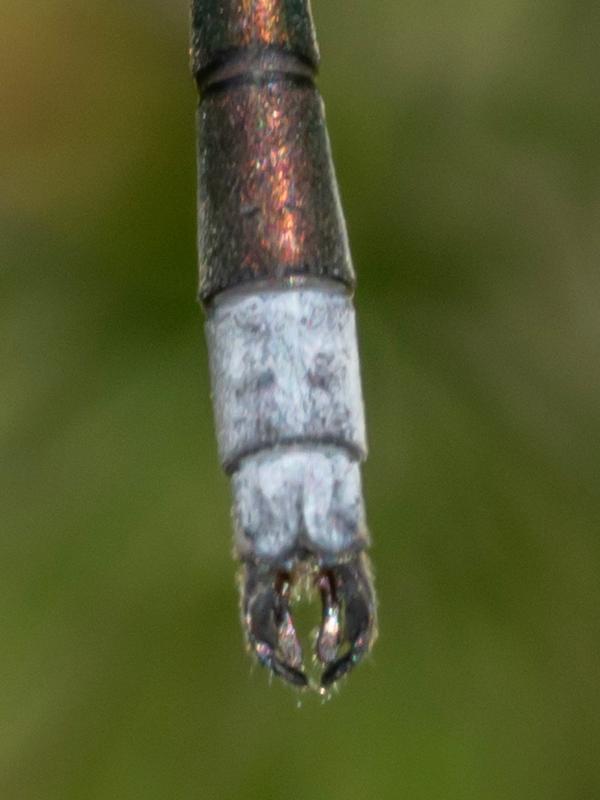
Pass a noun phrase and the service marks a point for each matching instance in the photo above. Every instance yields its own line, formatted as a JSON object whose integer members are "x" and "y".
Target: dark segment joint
{"x": 268, "y": 206}
{"x": 223, "y": 28}
{"x": 259, "y": 69}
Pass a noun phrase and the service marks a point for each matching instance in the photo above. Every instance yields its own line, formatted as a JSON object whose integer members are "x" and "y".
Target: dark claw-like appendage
{"x": 269, "y": 625}
{"x": 349, "y": 624}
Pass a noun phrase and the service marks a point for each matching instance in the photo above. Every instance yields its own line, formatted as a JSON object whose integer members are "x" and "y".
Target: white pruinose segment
{"x": 289, "y": 498}
{"x": 285, "y": 369}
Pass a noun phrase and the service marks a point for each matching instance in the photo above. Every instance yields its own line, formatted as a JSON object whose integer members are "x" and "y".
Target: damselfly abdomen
{"x": 276, "y": 281}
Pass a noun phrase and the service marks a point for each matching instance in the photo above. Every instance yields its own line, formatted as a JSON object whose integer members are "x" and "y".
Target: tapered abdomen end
{"x": 290, "y": 423}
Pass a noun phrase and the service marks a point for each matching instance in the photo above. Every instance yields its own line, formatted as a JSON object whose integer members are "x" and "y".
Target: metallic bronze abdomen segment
{"x": 218, "y": 28}
{"x": 268, "y": 203}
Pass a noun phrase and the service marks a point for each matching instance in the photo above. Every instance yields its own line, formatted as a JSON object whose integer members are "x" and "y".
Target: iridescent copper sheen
{"x": 268, "y": 205}
{"x": 220, "y": 27}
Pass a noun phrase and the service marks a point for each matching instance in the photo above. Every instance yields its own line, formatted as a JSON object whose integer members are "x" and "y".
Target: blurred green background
{"x": 467, "y": 145}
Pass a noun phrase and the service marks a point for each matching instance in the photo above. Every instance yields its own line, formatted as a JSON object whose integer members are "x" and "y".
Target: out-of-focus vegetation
{"x": 467, "y": 144}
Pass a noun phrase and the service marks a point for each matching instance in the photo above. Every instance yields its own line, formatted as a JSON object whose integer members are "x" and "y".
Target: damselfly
{"x": 276, "y": 281}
